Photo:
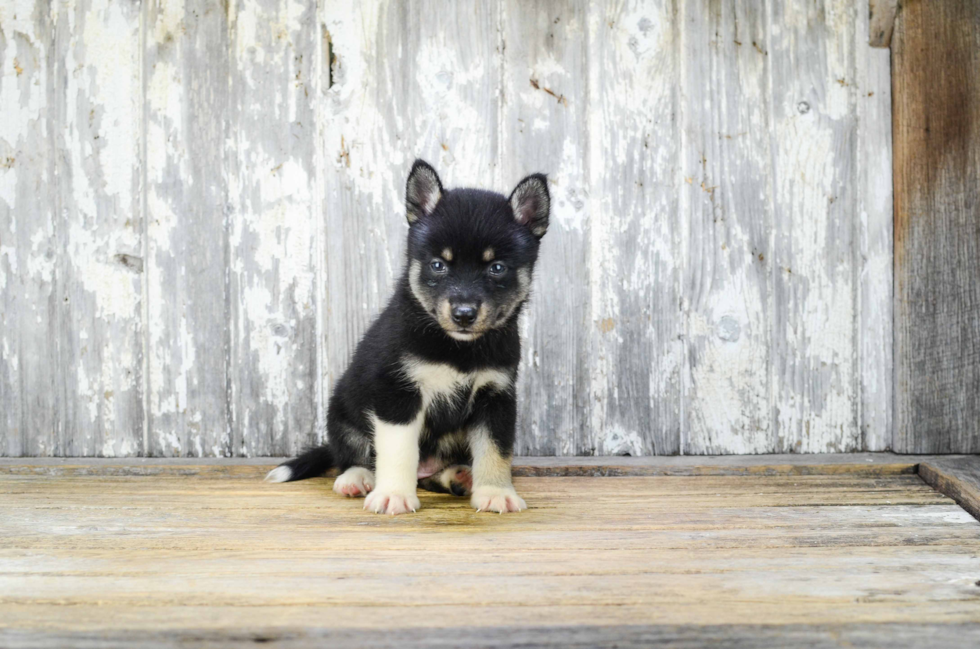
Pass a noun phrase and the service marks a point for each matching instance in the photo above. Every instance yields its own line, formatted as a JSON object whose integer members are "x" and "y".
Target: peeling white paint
{"x": 719, "y": 251}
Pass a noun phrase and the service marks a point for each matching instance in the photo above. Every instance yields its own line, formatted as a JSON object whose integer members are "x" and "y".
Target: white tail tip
{"x": 279, "y": 474}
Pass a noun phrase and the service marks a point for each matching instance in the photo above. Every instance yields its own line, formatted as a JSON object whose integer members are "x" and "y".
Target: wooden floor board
{"x": 223, "y": 558}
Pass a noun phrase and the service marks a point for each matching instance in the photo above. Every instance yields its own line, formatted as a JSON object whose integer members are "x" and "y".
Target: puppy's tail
{"x": 311, "y": 464}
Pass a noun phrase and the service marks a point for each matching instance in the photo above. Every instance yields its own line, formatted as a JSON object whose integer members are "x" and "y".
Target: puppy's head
{"x": 471, "y": 252}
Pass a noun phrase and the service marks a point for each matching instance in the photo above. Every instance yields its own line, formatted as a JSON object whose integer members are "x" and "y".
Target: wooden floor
{"x": 221, "y": 558}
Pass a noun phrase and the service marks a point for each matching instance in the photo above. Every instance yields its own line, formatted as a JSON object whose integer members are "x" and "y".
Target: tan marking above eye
{"x": 447, "y": 254}
{"x": 488, "y": 254}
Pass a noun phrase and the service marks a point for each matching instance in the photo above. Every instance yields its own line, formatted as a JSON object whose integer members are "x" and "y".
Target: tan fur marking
{"x": 490, "y": 468}
{"x": 447, "y": 254}
{"x": 488, "y": 254}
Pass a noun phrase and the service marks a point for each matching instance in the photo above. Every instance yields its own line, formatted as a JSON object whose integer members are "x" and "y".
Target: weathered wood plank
{"x": 726, "y": 200}
{"x": 956, "y": 477}
{"x": 272, "y": 227}
{"x": 32, "y": 300}
{"x": 881, "y": 22}
{"x": 188, "y": 253}
{"x": 936, "y": 102}
{"x": 630, "y": 636}
{"x": 812, "y": 73}
{"x": 867, "y": 464}
{"x": 874, "y": 215}
{"x": 100, "y": 214}
{"x": 637, "y": 356}
{"x": 544, "y": 128}
{"x": 70, "y": 225}
{"x": 149, "y": 555}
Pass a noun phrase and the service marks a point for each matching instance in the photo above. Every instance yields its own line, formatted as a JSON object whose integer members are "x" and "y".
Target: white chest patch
{"x": 438, "y": 381}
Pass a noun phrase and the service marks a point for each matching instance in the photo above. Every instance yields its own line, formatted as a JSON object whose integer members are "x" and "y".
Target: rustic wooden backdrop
{"x": 201, "y": 210}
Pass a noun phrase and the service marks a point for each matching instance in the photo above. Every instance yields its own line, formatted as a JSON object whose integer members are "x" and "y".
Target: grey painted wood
{"x": 936, "y": 55}
{"x": 70, "y": 231}
{"x": 727, "y": 208}
{"x": 637, "y": 360}
{"x": 545, "y": 73}
{"x": 874, "y": 216}
{"x": 188, "y": 252}
{"x": 813, "y": 128}
{"x": 227, "y": 216}
{"x": 272, "y": 224}
{"x": 32, "y": 405}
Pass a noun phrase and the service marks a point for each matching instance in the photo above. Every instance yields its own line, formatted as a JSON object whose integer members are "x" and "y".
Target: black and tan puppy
{"x": 430, "y": 391}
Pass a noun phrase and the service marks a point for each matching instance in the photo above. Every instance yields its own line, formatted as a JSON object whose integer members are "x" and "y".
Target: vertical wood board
{"x": 936, "y": 91}
{"x": 70, "y": 230}
{"x": 726, "y": 202}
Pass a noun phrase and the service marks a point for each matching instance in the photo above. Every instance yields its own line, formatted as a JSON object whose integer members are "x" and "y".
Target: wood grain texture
{"x": 874, "y": 217}
{"x": 637, "y": 323}
{"x": 30, "y": 393}
{"x": 956, "y": 477}
{"x": 881, "y": 22}
{"x": 99, "y": 249}
{"x": 227, "y": 216}
{"x": 544, "y": 127}
{"x": 858, "y": 464}
{"x": 815, "y": 340}
{"x": 272, "y": 225}
{"x": 726, "y": 198}
{"x": 188, "y": 251}
{"x": 632, "y": 636}
{"x": 70, "y": 231}
{"x": 89, "y": 554}
{"x": 936, "y": 100}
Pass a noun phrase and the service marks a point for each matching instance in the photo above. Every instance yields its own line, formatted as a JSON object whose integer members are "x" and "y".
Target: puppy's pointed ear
{"x": 422, "y": 192}
{"x": 532, "y": 204}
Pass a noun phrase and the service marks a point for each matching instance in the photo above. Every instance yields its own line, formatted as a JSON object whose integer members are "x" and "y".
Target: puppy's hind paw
{"x": 497, "y": 499}
{"x": 384, "y": 501}
{"x": 461, "y": 480}
{"x": 355, "y": 481}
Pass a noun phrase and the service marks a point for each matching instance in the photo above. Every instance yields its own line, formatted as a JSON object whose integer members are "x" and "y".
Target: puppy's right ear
{"x": 423, "y": 191}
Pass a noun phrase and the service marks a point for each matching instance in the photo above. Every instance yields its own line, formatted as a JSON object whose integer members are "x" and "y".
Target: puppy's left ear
{"x": 422, "y": 192}
{"x": 531, "y": 203}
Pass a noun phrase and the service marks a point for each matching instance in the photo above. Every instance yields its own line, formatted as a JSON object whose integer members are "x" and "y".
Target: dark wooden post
{"x": 936, "y": 122}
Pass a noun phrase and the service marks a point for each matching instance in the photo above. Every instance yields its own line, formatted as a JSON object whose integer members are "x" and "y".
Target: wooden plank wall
{"x": 201, "y": 211}
{"x": 936, "y": 48}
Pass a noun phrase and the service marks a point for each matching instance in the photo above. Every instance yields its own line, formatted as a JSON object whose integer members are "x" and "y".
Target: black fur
{"x": 458, "y": 229}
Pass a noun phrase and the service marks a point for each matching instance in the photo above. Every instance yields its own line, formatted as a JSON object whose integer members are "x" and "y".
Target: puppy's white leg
{"x": 355, "y": 481}
{"x": 396, "y": 465}
{"x": 493, "y": 490}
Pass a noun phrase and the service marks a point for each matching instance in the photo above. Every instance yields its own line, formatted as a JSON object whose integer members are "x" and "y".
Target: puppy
{"x": 429, "y": 397}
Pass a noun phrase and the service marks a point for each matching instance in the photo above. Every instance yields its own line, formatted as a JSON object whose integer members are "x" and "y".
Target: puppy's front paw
{"x": 497, "y": 499}
{"x": 355, "y": 481}
{"x": 391, "y": 501}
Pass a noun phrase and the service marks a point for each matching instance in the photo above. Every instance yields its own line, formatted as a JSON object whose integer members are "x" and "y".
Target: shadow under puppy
{"x": 430, "y": 391}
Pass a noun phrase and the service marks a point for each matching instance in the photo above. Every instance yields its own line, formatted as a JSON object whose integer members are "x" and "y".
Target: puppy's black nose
{"x": 464, "y": 314}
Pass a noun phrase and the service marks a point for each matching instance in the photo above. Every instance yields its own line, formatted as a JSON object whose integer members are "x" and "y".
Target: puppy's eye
{"x": 437, "y": 266}
{"x": 496, "y": 268}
